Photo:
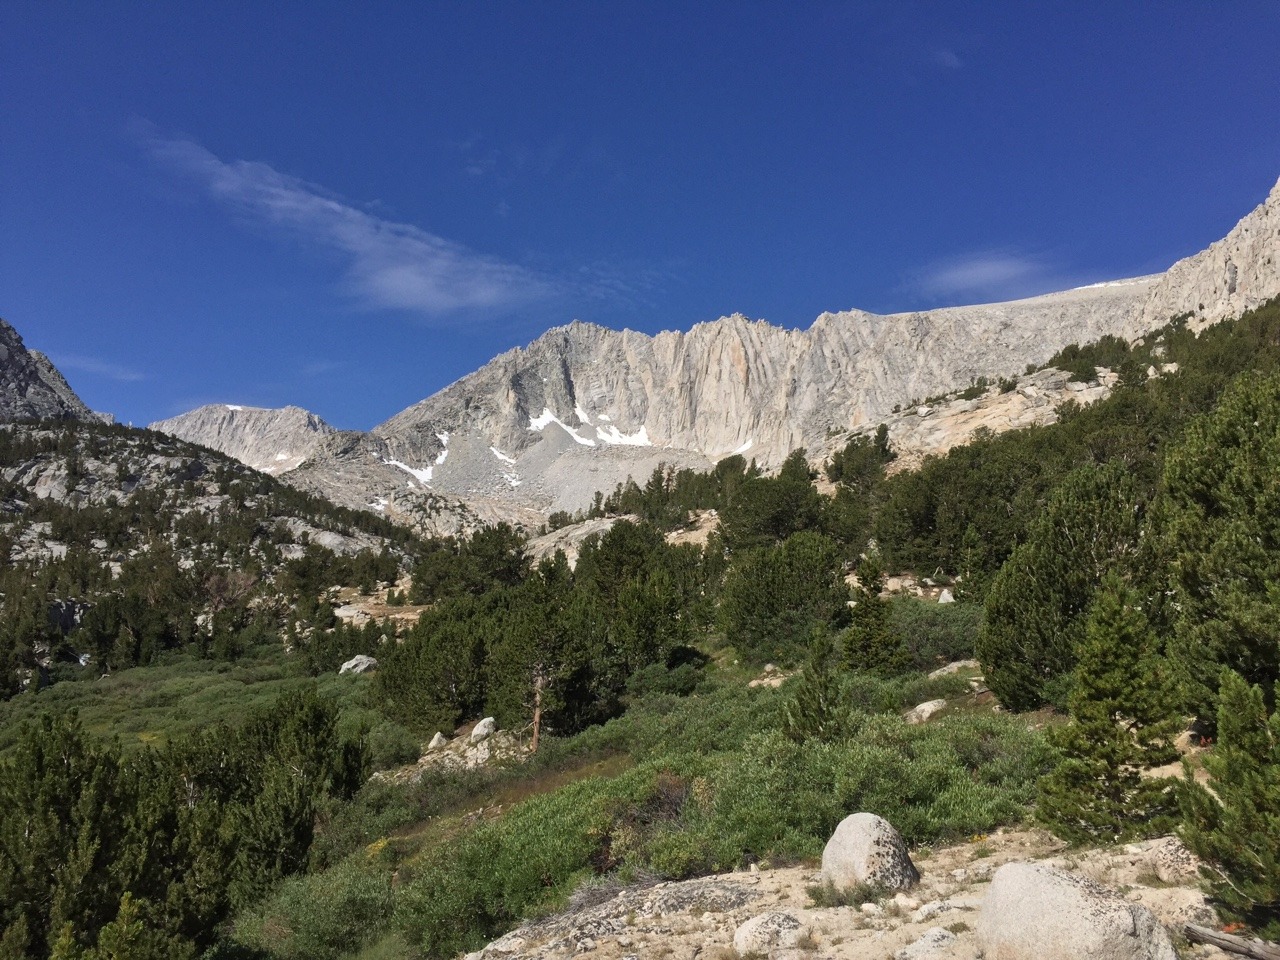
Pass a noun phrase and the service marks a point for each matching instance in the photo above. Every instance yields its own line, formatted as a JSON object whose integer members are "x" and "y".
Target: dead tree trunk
{"x": 1256, "y": 949}
{"x": 539, "y": 682}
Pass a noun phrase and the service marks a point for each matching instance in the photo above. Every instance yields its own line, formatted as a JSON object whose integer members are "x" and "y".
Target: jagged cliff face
{"x": 273, "y": 441}
{"x": 582, "y": 408}
{"x": 31, "y": 388}
{"x": 1239, "y": 272}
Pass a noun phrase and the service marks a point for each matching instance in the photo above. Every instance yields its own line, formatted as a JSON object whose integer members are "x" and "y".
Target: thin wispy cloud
{"x": 947, "y": 59}
{"x": 388, "y": 265}
{"x": 318, "y": 368}
{"x": 987, "y": 276}
{"x": 97, "y": 368}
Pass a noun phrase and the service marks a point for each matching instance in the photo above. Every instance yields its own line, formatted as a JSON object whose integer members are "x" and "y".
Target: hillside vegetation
{"x": 1115, "y": 573}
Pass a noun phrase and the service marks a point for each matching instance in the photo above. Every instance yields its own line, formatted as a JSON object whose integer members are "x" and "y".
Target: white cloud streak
{"x": 98, "y": 368}
{"x": 389, "y": 265}
{"x": 987, "y": 276}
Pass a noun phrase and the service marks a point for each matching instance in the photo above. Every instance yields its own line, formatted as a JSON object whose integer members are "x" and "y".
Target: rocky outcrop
{"x": 1036, "y": 912}
{"x": 1237, "y": 273}
{"x": 360, "y": 663}
{"x": 866, "y": 850}
{"x": 273, "y": 441}
{"x": 703, "y": 918}
{"x": 31, "y": 388}
{"x": 1025, "y": 401}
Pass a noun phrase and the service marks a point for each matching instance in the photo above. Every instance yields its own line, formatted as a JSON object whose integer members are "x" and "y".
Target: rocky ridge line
{"x": 582, "y": 408}
{"x": 31, "y": 388}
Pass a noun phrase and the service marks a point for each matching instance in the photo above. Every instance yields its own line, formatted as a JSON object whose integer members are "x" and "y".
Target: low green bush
{"x": 321, "y": 916}
{"x": 935, "y": 633}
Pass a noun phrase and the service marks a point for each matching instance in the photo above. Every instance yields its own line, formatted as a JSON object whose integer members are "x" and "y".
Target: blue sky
{"x": 348, "y": 206}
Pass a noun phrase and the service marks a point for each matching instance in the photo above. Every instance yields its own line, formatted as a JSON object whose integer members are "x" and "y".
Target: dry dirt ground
{"x": 696, "y": 919}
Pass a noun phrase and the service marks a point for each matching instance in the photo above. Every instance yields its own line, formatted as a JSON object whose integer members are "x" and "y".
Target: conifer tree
{"x": 1234, "y": 825}
{"x": 815, "y": 709}
{"x": 1040, "y": 600}
{"x": 1218, "y": 524}
{"x": 1120, "y": 725}
{"x": 870, "y": 642}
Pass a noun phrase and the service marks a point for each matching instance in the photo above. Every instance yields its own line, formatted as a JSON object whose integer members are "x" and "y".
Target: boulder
{"x": 954, "y": 667}
{"x": 933, "y": 940}
{"x": 766, "y": 932}
{"x": 946, "y": 596}
{"x": 923, "y": 711}
{"x": 485, "y": 728}
{"x": 866, "y": 849}
{"x": 1173, "y": 862}
{"x": 360, "y": 663}
{"x": 438, "y": 741}
{"x": 1036, "y": 912}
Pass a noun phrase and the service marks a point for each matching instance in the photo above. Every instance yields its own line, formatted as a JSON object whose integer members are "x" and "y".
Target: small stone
{"x": 871, "y": 909}
{"x": 934, "y": 940}
{"x": 931, "y": 910}
{"x": 438, "y": 741}
{"x": 906, "y": 903}
{"x": 769, "y": 930}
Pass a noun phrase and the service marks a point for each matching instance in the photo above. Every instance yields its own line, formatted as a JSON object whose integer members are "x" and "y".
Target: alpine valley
{"x": 934, "y": 636}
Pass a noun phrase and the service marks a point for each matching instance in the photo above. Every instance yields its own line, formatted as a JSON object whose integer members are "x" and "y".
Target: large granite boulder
{"x": 866, "y": 849}
{"x": 1036, "y": 912}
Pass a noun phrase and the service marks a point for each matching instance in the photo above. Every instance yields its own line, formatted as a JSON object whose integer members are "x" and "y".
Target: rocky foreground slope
{"x": 582, "y": 408}
{"x": 950, "y": 915}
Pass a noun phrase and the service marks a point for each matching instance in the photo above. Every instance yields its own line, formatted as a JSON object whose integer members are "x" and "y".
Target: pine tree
{"x": 815, "y": 709}
{"x": 1234, "y": 825}
{"x": 1120, "y": 725}
{"x": 1040, "y": 600}
{"x": 1218, "y": 524}
{"x": 870, "y": 643}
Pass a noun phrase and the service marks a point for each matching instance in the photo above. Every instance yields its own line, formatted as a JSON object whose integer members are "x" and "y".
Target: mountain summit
{"x": 31, "y": 388}
{"x": 542, "y": 428}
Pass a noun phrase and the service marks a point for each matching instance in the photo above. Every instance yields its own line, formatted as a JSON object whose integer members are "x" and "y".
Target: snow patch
{"x": 613, "y": 435}
{"x": 582, "y": 414}
{"x": 513, "y": 479}
{"x": 232, "y": 406}
{"x": 502, "y": 456}
{"x": 1113, "y": 283}
{"x": 605, "y": 417}
{"x": 423, "y": 475}
{"x": 546, "y": 418}
{"x": 282, "y": 456}
{"x": 745, "y": 447}
{"x": 380, "y": 504}
{"x": 443, "y": 437}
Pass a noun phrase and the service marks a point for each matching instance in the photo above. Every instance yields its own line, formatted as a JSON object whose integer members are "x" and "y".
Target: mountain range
{"x": 582, "y": 408}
